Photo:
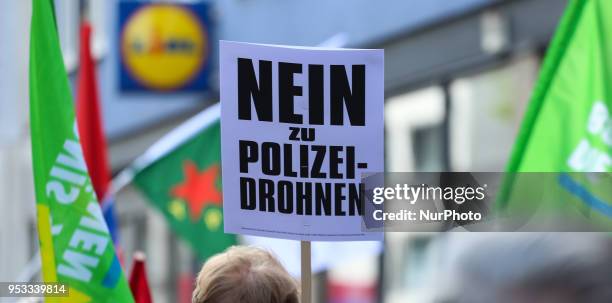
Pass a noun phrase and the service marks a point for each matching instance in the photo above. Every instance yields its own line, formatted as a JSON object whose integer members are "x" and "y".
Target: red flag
{"x": 185, "y": 287}
{"x": 138, "y": 280}
{"x": 89, "y": 118}
{"x": 91, "y": 132}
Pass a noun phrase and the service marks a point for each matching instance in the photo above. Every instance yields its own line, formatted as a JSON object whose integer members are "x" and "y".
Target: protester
{"x": 244, "y": 275}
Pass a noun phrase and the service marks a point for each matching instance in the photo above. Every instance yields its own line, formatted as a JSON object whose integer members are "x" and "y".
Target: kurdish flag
{"x": 567, "y": 129}
{"x": 76, "y": 247}
{"x": 181, "y": 177}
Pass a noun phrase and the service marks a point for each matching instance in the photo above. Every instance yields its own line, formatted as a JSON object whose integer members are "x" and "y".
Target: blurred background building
{"x": 458, "y": 75}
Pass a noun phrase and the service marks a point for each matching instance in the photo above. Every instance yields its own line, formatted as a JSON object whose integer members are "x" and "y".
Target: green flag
{"x": 76, "y": 247}
{"x": 181, "y": 176}
{"x": 567, "y": 129}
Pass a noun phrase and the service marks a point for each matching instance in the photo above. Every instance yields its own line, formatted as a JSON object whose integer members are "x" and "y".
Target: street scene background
{"x": 458, "y": 78}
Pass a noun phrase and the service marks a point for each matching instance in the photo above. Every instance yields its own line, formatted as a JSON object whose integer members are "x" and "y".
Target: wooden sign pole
{"x": 306, "y": 274}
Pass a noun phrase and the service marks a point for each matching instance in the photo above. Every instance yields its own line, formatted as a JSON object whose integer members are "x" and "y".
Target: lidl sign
{"x": 164, "y": 46}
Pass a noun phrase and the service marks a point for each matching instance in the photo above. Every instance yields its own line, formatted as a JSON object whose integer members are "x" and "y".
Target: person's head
{"x": 244, "y": 275}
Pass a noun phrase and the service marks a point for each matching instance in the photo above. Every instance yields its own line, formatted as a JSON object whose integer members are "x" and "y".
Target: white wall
{"x": 17, "y": 204}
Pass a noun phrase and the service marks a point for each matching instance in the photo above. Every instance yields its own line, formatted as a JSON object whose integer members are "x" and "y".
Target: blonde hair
{"x": 244, "y": 275}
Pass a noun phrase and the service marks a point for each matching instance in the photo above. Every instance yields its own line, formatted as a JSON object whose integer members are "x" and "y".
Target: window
{"x": 97, "y": 13}
{"x": 415, "y": 131}
{"x": 68, "y": 23}
{"x": 67, "y": 18}
{"x": 486, "y": 111}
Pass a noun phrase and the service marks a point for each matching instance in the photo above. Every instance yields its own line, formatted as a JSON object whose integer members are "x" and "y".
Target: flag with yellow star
{"x": 184, "y": 182}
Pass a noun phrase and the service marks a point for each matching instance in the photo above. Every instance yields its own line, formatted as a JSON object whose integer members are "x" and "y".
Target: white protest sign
{"x": 298, "y": 128}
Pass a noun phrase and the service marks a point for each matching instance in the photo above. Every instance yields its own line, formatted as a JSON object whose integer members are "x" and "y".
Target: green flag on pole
{"x": 567, "y": 129}
{"x": 181, "y": 177}
{"x": 76, "y": 247}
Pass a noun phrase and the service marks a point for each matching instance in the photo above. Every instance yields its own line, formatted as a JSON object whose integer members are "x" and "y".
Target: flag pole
{"x": 306, "y": 272}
